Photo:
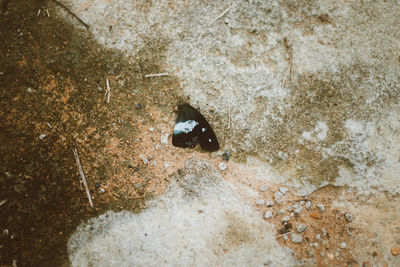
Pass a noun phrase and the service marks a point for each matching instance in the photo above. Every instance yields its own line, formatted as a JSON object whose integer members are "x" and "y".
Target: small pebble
{"x": 343, "y": 245}
{"x": 263, "y": 188}
{"x": 286, "y": 219}
{"x": 278, "y": 196}
{"x": 260, "y": 202}
{"x": 292, "y": 214}
{"x": 324, "y": 232}
{"x": 157, "y": 146}
{"x": 166, "y": 165}
{"x": 281, "y": 211}
{"x": 42, "y": 136}
{"x": 321, "y": 207}
{"x": 164, "y": 139}
{"x": 395, "y": 250}
{"x": 375, "y": 240}
{"x": 283, "y": 190}
{"x": 29, "y": 90}
{"x": 308, "y": 205}
{"x": 138, "y": 106}
{"x": 102, "y": 190}
{"x": 144, "y": 159}
{"x": 285, "y": 237}
{"x": 296, "y": 238}
{"x": 222, "y": 166}
{"x": 298, "y": 210}
{"x": 348, "y": 217}
{"x": 226, "y": 155}
{"x": 301, "y": 202}
{"x": 301, "y": 227}
{"x": 269, "y": 203}
{"x": 268, "y": 214}
{"x": 151, "y": 129}
{"x": 314, "y": 245}
{"x": 318, "y": 236}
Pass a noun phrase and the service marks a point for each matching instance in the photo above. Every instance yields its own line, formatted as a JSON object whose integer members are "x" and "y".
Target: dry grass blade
{"x": 81, "y": 173}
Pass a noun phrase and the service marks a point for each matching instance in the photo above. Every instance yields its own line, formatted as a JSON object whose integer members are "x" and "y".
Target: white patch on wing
{"x": 185, "y": 127}
{"x": 203, "y": 130}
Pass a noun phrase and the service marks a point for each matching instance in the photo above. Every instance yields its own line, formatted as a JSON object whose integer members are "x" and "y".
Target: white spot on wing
{"x": 185, "y": 127}
{"x": 203, "y": 130}
{"x": 209, "y": 140}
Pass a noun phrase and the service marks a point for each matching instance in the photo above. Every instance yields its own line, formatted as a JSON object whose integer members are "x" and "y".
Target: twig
{"x": 156, "y": 75}
{"x": 2, "y": 202}
{"x": 289, "y": 48}
{"x": 283, "y": 234}
{"x": 38, "y": 13}
{"x": 78, "y": 163}
{"x": 47, "y": 12}
{"x": 220, "y": 16}
{"x": 108, "y": 92}
{"x": 72, "y": 13}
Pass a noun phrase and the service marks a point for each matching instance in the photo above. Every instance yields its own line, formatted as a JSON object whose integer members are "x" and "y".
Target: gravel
{"x": 144, "y": 159}
{"x": 263, "y": 188}
{"x": 297, "y": 211}
{"x": 269, "y": 203}
{"x": 151, "y": 129}
{"x": 286, "y": 219}
{"x": 283, "y": 190}
{"x": 268, "y": 214}
{"x": 308, "y": 205}
{"x": 222, "y": 166}
{"x": 281, "y": 211}
{"x": 324, "y": 232}
{"x": 301, "y": 227}
{"x": 260, "y": 201}
{"x": 348, "y": 217}
{"x": 226, "y": 155}
{"x": 164, "y": 139}
{"x": 343, "y": 245}
{"x": 42, "y": 136}
{"x": 321, "y": 207}
{"x": 318, "y": 236}
{"x": 278, "y": 196}
{"x": 296, "y": 238}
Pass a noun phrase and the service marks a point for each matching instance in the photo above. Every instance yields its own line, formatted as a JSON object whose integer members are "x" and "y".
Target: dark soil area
{"x": 52, "y": 100}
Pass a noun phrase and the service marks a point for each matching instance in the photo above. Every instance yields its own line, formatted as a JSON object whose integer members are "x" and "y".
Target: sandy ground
{"x": 54, "y": 99}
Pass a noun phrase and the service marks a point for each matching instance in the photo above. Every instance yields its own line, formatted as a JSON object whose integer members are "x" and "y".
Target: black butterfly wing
{"x": 192, "y": 128}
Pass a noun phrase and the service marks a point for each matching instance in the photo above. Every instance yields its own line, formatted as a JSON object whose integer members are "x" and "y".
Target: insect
{"x": 191, "y": 128}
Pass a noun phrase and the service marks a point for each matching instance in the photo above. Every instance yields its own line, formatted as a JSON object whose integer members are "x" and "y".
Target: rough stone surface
{"x": 173, "y": 232}
{"x": 336, "y": 120}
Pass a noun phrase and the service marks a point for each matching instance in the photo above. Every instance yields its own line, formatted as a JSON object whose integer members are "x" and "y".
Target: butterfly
{"x": 191, "y": 128}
